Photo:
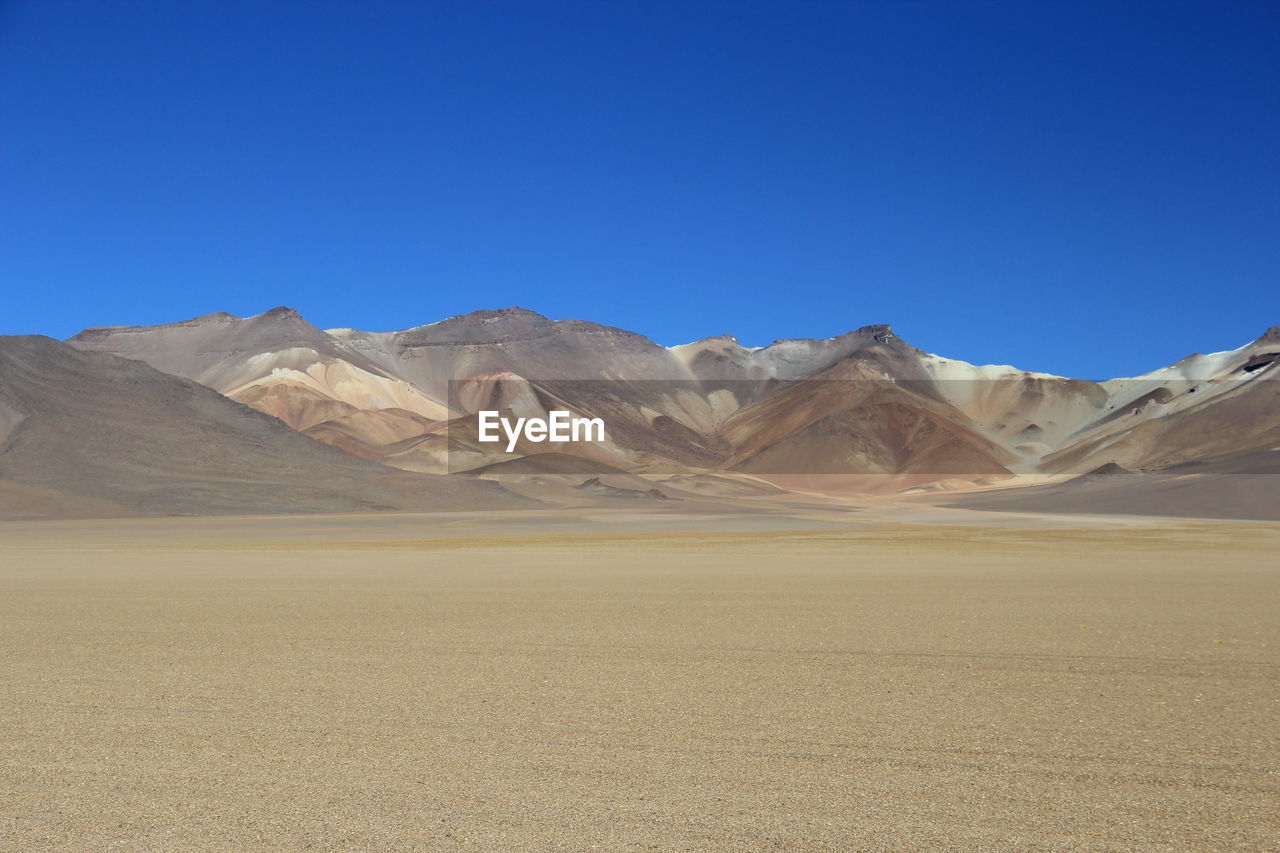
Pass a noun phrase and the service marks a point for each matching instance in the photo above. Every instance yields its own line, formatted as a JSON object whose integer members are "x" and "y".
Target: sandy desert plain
{"x": 813, "y": 678}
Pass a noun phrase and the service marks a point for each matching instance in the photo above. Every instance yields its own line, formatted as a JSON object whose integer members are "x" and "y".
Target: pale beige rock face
{"x": 481, "y": 683}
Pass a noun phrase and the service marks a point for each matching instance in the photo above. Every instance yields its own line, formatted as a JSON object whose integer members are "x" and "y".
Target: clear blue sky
{"x": 1084, "y": 188}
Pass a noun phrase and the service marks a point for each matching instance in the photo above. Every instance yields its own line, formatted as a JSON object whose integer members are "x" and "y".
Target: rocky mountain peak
{"x": 1270, "y": 336}
{"x": 281, "y": 312}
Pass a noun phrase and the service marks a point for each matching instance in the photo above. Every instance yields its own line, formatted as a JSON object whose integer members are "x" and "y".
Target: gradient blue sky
{"x": 1085, "y": 188}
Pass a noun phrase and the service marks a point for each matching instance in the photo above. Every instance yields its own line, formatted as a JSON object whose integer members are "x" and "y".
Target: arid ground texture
{"x": 501, "y": 682}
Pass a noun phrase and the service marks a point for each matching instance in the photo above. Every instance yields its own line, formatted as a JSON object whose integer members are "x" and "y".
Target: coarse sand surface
{"x": 290, "y": 685}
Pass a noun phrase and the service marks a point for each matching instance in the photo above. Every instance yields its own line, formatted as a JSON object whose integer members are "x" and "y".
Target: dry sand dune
{"x": 470, "y": 682}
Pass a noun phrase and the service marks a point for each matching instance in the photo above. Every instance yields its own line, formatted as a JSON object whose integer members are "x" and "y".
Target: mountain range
{"x": 270, "y": 413}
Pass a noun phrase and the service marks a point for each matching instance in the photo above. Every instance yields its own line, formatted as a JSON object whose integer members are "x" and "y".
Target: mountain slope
{"x": 865, "y": 402}
{"x": 93, "y": 434}
{"x": 1243, "y": 486}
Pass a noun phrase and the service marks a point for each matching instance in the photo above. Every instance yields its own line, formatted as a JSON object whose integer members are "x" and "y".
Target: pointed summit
{"x": 1270, "y": 336}
{"x": 280, "y": 312}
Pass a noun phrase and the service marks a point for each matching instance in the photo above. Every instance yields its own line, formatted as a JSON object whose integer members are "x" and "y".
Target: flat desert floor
{"x": 490, "y": 684}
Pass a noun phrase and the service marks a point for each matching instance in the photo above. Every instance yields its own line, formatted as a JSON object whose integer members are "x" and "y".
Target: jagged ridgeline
{"x": 271, "y": 414}
{"x": 865, "y": 402}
